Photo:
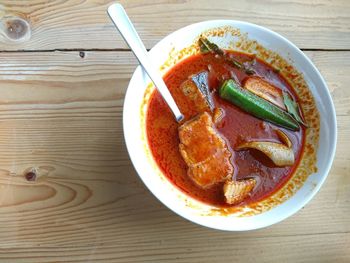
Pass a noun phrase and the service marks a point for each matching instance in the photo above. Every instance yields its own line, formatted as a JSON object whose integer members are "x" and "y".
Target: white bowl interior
{"x": 175, "y": 199}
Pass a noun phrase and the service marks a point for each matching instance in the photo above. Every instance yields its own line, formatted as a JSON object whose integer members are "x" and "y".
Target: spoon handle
{"x": 121, "y": 20}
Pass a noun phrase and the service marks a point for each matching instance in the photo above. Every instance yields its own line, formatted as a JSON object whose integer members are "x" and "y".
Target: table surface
{"x": 62, "y": 83}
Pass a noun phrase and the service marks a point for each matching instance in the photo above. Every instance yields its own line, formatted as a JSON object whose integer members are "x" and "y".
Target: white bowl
{"x": 182, "y": 204}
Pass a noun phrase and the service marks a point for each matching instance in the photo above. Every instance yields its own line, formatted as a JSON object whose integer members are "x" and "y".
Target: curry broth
{"x": 236, "y": 126}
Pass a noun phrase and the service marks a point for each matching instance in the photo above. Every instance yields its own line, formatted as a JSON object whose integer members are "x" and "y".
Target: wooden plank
{"x": 227, "y": 247}
{"x": 335, "y": 68}
{"x": 88, "y": 186}
{"x": 84, "y": 24}
{"x": 26, "y": 76}
{"x": 62, "y": 114}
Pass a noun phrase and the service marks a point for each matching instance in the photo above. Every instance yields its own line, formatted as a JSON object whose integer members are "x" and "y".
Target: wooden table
{"x": 62, "y": 85}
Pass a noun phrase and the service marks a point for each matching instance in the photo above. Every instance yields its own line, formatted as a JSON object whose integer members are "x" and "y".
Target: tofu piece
{"x": 236, "y": 191}
{"x": 204, "y": 151}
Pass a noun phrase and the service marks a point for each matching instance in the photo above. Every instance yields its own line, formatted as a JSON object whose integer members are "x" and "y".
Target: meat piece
{"x": 204, "y": 151}
{"x": 192, "y": 93}
{"x": 197, "y": 95}
{"x": 202, "y": 82}
{"x": 236, "y": 191}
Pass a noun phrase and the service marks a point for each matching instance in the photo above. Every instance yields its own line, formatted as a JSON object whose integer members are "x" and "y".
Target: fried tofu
{"x": 204, "y": 151}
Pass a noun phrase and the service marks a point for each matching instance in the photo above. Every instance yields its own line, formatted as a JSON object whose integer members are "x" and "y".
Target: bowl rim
{"x": 333, "y": 125}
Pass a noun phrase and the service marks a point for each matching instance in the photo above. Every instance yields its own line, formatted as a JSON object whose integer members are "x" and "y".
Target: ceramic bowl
{"x": 135, "y": 106}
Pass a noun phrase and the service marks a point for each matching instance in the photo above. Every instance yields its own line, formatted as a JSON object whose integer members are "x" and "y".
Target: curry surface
{"x": 236, "y": 126}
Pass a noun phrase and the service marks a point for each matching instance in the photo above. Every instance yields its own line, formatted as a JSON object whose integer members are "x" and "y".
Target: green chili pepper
{"x": 256, "y": 106}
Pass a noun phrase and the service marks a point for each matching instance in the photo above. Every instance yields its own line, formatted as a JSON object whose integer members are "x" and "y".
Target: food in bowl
{"x": 304, "y": 85}
{"x": 243, "y": 133}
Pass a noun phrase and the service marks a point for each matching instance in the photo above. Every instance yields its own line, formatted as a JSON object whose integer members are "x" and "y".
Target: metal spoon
{"x": 121, "y": 20}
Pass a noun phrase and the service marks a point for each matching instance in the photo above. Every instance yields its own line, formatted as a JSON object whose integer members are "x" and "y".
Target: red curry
{"x": 236, "y": 125}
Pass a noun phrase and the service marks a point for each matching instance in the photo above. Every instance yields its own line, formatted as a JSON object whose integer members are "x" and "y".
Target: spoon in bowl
{"x": 121, "y": 20}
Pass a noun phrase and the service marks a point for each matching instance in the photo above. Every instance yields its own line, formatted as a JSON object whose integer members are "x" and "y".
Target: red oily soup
{"x": 235, "y": 125}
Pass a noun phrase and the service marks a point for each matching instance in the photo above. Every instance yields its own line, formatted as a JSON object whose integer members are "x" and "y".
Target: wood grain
{"x": 61, "y": 78}
{"x": 62, "y": 115}
{"x": 75, "y": 24}
{"x": 228, "y": 246}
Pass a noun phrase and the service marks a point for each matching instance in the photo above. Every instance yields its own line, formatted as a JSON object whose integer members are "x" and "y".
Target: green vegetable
{"x": 293, "y": 108}
{"x": 276, "y": 70}
{"x": 250, "y": 71}
{"x": 248, "y": 67}
{"x": 256, "y": 106}
{"x": 234, "y": 62}
{"x": 206, "y": 46}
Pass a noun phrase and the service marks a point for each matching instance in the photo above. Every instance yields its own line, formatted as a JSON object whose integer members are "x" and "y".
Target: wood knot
{"x": 30, "y": 176}
{"x": 37, "y": 173}
{"x": 16, "y": 28}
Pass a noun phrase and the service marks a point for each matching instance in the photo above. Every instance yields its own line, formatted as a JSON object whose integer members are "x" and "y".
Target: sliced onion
{"x": 284, "y": 138}
{"x": 280, "y": 154}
